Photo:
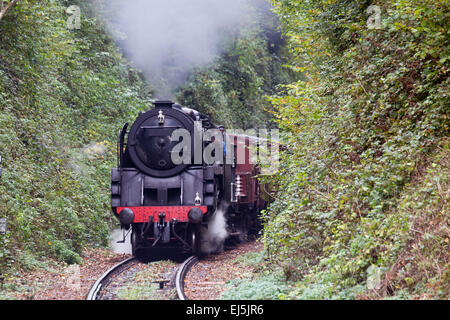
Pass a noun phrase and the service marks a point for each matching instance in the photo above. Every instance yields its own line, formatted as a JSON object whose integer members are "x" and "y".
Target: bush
{"x": 267, "y": 287}
{"x": 61, "y": 92}
{"x": 359, "y": 133}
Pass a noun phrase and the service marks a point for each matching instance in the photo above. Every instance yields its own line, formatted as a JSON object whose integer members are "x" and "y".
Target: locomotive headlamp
{"x": 198, "y": 200}
{"x": 126, "y": 216}
{"x": 161, "y": 117}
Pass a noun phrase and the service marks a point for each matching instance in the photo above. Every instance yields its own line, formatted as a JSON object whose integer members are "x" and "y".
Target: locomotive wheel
{"x": 243, "y": 234}
{"x": 193, "y": 238}
{"x": 243, "y": 229}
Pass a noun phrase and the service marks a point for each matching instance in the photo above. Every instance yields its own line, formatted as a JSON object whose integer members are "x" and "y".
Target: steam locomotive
{"x": 183, "y": 193}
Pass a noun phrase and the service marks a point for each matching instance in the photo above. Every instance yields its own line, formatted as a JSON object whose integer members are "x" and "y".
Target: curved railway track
{"x": 95, "y": 293}
{"x": 181, "y": 275}
{"x": 105, "y": 278}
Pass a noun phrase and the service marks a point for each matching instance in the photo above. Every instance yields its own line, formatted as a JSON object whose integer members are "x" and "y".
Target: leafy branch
{"x": 8, "y": 6}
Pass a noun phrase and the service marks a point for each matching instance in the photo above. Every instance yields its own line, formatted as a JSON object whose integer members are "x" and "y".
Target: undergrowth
{"x": 363, "y": 181}
{"x": 63, "y": 95}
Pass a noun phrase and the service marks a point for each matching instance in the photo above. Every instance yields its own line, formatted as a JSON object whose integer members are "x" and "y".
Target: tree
{"x": 5, "y": 9}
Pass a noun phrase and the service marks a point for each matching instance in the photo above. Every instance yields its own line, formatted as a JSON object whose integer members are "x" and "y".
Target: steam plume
{"x": 166, "y": 39}
{"x": 213, "y": 237}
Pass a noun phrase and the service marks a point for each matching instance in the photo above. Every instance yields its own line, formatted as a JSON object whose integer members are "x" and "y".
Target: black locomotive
{"x": 168, "y": 203}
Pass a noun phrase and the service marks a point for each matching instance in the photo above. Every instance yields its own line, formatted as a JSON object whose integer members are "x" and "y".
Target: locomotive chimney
{"x": 164, "y": 104}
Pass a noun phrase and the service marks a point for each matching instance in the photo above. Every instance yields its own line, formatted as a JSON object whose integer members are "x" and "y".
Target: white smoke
{"x": 167, "y": 39}
{"x": 213, "y": 237}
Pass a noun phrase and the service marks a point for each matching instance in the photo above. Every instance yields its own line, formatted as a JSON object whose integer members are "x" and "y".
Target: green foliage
{"x": 63, "y": 95}
{"x": 422, "y": 268}
{"x": 232, "y": 91}
{"x": 267, "y": 287}
{"x": 358, "y": 133}
{"x": 251, "y": 258}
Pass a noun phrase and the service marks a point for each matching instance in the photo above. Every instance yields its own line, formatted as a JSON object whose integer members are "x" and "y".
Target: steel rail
{"x": 181, "y": 275}
{"x": 95, "y": 289}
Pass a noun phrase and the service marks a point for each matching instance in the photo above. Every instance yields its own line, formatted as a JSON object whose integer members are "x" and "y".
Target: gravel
{"x": 206, "y": 281}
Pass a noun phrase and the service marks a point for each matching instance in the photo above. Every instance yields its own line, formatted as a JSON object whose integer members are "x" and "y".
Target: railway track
{"x": 105, "y": 279}
{"x": 181, "y": 275}
{"x": 95, "y": 293}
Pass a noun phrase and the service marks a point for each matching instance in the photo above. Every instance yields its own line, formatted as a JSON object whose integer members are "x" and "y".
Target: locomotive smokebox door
{"x": 150, "y": 144}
